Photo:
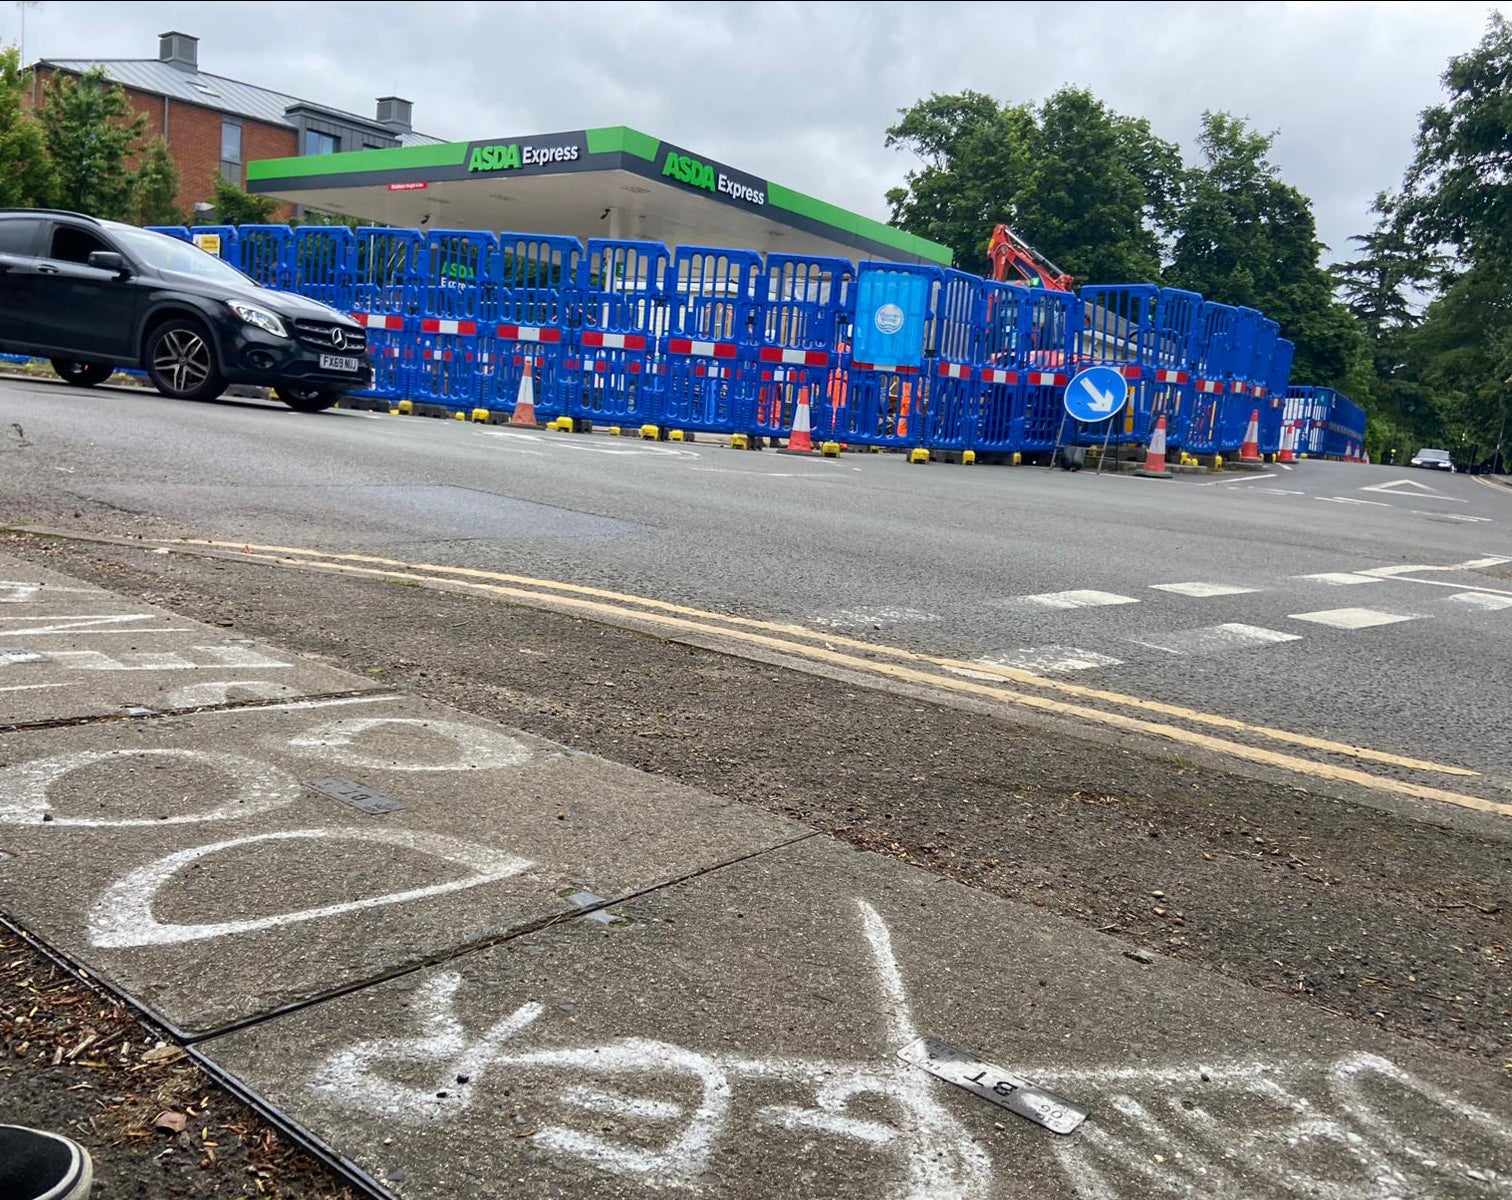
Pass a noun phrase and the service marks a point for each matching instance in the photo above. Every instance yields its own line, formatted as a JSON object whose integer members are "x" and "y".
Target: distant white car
{"x": 1434, "y": 460}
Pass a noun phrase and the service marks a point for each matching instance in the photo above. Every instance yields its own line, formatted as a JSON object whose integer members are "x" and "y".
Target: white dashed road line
{"x": 1084, "y": 598}
{"x": 1353, "y": 618}
{"x": 1202, "y": 591}
{"x": 1046, "y": 660}
{"x": 1443, "y": 516}
{"x": 1488, "y": 601}
{"x": 1340, "y": 578}
{"x": 849, "y": 618}
{"x": 1216, "y": 639}
{"x": 1351, "y": 500}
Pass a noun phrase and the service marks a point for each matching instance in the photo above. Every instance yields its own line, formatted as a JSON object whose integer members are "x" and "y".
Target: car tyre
{"x": 306, "y": 399}
{"x": 181, "y": 361}
{"x": 82, "y": 374}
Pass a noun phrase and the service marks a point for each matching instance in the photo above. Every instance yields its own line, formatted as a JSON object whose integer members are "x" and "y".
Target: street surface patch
{"x": 1049, "y": 660}
{"x": 1353, "y": 618}
{"x": 1080, "y": 598}
{"x": 1340, "y": 578}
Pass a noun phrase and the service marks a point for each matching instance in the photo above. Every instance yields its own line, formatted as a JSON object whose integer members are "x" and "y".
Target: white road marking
{"x": 1423, "y": 492}
{"x": 845, "y": 618}
{"x": 1082, "y": 598}
{"x": 1353, "y": 618}
{"x": 1490, "y": 601}
{"x": 1202, "y": 591}
{"x": 1251, "y": 479}
{"x": 1216, "y": 639}
{"x": 1351, "y": 500}
{"x": 1046, "y": 660}
{"x": 1474, "y": 564}
{"x": 1443, "y": 516}
{"x": 1340, "y": 578}
{"x": 32, "y": 687}
{"x": 1278, "y": 491}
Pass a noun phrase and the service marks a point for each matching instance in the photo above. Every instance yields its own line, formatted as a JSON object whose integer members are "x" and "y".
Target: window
{"x": 21, "y": 235}
{"x": 75, "y": 245}
{"x": 231, "y": 142}
{"x": 316, "y": 142}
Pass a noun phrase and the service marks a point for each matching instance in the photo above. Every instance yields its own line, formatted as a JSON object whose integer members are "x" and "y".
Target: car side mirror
{"x": 109, "y": 260}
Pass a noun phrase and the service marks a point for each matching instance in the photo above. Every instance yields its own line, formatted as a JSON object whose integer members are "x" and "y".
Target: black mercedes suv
{"x": 93, "y": 295}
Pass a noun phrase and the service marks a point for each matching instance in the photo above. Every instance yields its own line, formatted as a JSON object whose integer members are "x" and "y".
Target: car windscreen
{"x": 1434, "y": 455}
{"x": 164, "y": 253}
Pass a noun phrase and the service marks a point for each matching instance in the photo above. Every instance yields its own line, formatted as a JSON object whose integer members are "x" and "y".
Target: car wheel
{"x": 306, "y": 399}
{"x": 82, "y": 374}
{"x": 181, "y": 363}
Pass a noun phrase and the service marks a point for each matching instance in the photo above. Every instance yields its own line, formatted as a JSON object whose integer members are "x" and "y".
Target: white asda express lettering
{"x": 540, "y": 155}
{"x": 740, "y": 191}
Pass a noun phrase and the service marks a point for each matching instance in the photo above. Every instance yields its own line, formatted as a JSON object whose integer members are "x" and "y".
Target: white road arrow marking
{"x": 1101, "y": 401}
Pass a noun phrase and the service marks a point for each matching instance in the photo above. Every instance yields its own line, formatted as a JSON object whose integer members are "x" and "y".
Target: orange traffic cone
{"x": 1155, "y": 458}
{"x": 799, "y": 441}
{"x": 1288, "y": 444}
{"x": 1250, "y": 451}
{"x": 524, "y": 412}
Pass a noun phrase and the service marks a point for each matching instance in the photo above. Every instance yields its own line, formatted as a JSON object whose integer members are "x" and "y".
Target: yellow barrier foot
{"x": 739, "y": 441}
{"x": 561, "y": 425}
{"x": 918, "y": 455}
{"x": 459, "y": 416}
{"x": 1018, "y": 459}
{"x": 830, "y": 449}
{"x": 616, "y": 431}
{"x": 393, "y": 412}
{"x": 675, "y": 436}
{"x": 406, "y": 408}
{"x": 479, "y": 416}
{"x": 968, "y": 458}
{"x": 649, "y": 433}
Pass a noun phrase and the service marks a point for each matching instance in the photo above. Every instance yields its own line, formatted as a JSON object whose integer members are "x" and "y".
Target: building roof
{"x": 217, "y": 92}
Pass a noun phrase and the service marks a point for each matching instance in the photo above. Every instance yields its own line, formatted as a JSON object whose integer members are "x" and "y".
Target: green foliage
{"x": 236, "y": 207}
{"x": 26, "y": 172}
{"x": 155, "y": 187}
{"x": 91, "y": 134}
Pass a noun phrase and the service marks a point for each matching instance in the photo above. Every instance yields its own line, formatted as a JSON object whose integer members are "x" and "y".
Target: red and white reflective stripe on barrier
{"x": 861, "y": 366}
{"x": 1210, "y": 387}
{"x": 462, "y": 328}
{"x": 793, "y": 358}
{"x": 952, "y": 370}
{"x": 378, "y": 321}
{"x": 614, "y": 341}
{"x": 1046, "y": 379}
{"x": 1241, "y": 388}
{"x": 1164, "y": 376}
{"x": 1131, "y": 370}
{"x": 998, "y": 375}
{"x": 703, "y": 349}
{"x": 529, "y": 333}
{"x": 704, "y": 371}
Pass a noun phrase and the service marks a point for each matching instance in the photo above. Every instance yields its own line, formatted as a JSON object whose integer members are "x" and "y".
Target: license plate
{"x": 1003, "y": 1088}
{"x": 335, "y": 362}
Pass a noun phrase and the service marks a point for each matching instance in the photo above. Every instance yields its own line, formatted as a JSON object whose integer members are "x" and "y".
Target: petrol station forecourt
{"x": 609, "y": 182}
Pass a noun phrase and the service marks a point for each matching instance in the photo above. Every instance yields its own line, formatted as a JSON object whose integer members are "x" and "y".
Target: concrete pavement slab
{"x": 225, "y": 864}
{"x": 738, "y": 1036}
{"x": 69, "y": 650}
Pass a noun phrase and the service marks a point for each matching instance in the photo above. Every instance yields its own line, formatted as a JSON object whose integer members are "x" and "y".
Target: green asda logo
{"x": 688, "y": 170}
{"x": 494, "y": 158}
{"x": 508, "y": 156}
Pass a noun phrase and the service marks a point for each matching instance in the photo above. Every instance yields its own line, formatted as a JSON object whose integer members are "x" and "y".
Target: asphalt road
{"x": 1246, "y": 595}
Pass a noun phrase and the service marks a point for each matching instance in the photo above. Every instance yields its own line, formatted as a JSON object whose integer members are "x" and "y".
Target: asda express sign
{"x": 710, "y": 177}
{"x": 512, "y": 156}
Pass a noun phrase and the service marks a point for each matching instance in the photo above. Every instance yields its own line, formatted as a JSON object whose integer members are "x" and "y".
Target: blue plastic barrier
{"x": 174, "y": 231}
{"x": 532, "y": 304}
{"x": 709, "y": 352}
{"x": 267, "y": 255}
{"x": 1212, "y": 350}
{"x": 1246, "y": 332}
{"x": 1118, "y": 330}
{"x": 446, "y": 373}
{"x": 1001, "y": 353}
{"x": 1049, "y": 354}
{"x": 386, "y": 275}
{"x": 1344, "y": 433}
{"x": 895, "y": 308}
{"x": 325, "y": 264}
{"x": 805, "y": 310}
{"x": 1277, "y": 378}
{"x": 626, "y": 288}
{"x": 948, "y": 390}
{"x": 1177, "y": 328}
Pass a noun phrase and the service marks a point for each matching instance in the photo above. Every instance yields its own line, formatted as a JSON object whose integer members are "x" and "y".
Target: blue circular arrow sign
{"x": 1095, "y": 394}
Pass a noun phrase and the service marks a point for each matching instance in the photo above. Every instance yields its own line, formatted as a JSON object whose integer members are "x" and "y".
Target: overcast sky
{"x": 801, "y": 93}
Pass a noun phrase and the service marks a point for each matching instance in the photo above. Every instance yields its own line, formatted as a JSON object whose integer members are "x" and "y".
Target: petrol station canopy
{"x": 612, "y": 182}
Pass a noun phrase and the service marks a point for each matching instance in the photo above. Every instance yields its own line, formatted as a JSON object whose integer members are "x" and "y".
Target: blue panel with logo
{"x": 892, "y": 314}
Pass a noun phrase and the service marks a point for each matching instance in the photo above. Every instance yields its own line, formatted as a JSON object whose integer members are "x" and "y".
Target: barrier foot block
{"x": 480, "y": 416}
{"x": 918, "y": 455}
{"x": 616, "y": 431}
{"x": 393, "y": 412}
{"x": 459, "y": 416}
{"x": 739, "y": 441}
{"x": 650, "y": 433}
{"x": 675, "y": 436}
{"x": 830, "y": 449}
{"x": 561, "y": 424}
{"x": 406, "y": 408}
{"x": 968, "y": 458}
{"x": 1018, "y": 459}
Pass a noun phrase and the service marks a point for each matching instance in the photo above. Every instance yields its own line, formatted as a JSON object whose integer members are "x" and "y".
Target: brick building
{"x": 217, "y": 125}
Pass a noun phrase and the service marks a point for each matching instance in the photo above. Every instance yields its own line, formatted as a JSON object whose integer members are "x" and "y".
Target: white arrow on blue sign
{"x": 1095, "y": 394}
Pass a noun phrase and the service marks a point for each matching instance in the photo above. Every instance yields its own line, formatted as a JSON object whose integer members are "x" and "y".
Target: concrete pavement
{"x": 731, "y": 1027}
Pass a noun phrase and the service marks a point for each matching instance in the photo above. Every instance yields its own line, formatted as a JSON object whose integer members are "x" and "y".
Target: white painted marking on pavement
{"x": 1216, "y": 639}
{"x": 123, "y": 915}
{"x": 1351, "y": 500}
{"x": 1251, "y": 479}
{"x": 844, "y": 618}
{"x": 296, "y": 705}
{"x": 1278, "y": 491}
{"x": 1474, "y": 564}
{"x": 1353, "y": 618}
{"x": 473, "y": 747}
{"x": 1443, "y": 516}
{"x": 1045, "y": 660}
{"x": 1083, "y": 598}
{"x": 1423, "y": 492}
{"x": 1201, "y": 591}
{"x": 32, "y": 687}
{"x": 1490, "y": 601}
{"x": 89, "y": 623}
{"x": 21, "y": 591}
{"x": 1340, "y": 578}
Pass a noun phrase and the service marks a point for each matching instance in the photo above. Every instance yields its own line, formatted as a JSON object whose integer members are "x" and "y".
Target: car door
{"x": 83, "y": 310}
{"x": 21, "y": 241}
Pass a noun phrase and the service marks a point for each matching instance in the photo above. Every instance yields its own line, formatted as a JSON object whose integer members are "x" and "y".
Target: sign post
{"x": 1095, "y": 394}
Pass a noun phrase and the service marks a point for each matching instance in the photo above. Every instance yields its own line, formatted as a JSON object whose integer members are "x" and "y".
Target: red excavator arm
{"x": 1010, "y": 253}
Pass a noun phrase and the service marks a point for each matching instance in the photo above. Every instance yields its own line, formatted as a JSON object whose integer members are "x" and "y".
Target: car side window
{"x": 72, "y": 244}
{"x": 21, "y": 235}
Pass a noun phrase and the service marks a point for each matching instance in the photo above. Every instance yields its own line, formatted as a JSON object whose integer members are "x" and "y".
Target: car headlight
{"x": 261, "y": 317}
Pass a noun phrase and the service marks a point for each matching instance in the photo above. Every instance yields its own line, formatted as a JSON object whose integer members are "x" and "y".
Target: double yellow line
{"x": 1051, "y": 696}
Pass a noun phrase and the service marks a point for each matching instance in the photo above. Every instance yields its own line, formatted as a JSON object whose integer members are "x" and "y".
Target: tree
{"x": 92, "y": 135}
{"x": 236, "y": 207}
{"x": 1246, "y": 237}
{"x": 26, "y": 172}
{"x": 154, "y": 187}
